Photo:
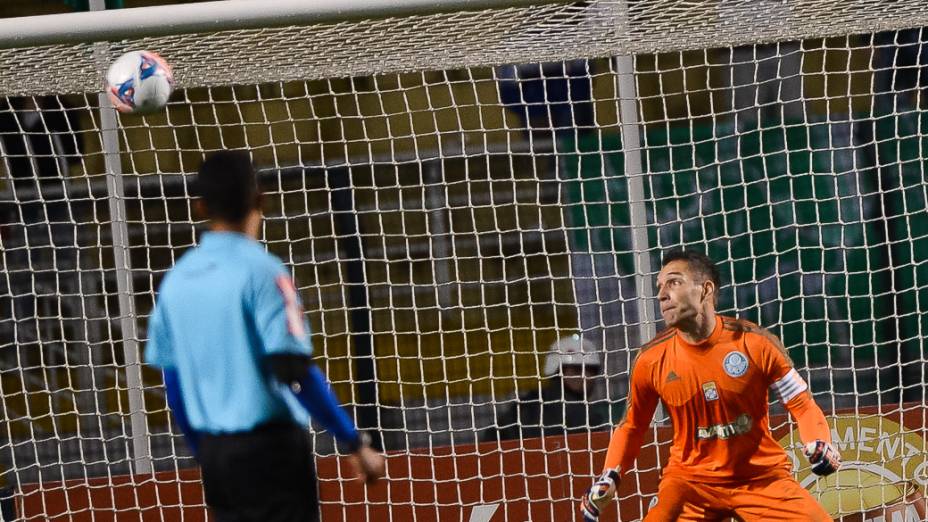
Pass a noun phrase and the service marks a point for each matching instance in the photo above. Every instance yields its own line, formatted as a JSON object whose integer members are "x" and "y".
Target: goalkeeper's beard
{"x": 688, "y": 319}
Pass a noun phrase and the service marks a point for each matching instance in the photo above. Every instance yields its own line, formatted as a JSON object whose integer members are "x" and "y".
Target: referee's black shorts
{"x": 266, "y": 474}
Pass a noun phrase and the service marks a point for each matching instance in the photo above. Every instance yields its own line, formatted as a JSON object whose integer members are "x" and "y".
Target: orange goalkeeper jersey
{"x": 716, "y": 395}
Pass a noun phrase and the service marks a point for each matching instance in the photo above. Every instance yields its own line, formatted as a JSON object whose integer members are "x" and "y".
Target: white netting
{"x": 456, "y": 220}
{"x": 556, "y": 32}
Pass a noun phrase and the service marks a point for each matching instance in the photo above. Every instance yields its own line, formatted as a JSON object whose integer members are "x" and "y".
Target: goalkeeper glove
{"x": 824, "y": 458}
{"x": 599, "y": 495}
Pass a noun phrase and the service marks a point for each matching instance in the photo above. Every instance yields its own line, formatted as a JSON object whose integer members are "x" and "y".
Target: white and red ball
{"x": 139, "y": 82}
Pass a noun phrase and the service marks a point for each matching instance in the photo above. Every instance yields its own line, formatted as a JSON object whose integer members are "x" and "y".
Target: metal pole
{"x": 71, "y": 28}
{"x": 127, "y": 313}
{"x": 349, "y": 233}
{"x": 439, "y": 239}
{"x": 631, "y": 145}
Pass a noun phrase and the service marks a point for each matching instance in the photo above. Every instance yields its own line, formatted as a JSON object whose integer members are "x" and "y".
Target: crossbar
{"x": 220, "y": 15}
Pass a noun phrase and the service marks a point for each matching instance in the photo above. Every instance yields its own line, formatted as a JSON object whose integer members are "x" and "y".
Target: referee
{"x": 229, "y": 333}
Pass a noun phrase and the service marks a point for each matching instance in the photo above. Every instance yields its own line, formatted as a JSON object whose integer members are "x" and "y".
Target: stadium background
{"x": 495, "y": 344}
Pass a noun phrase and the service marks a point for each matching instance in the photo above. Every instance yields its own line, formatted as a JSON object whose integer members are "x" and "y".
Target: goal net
{"x": 466, "y": 199}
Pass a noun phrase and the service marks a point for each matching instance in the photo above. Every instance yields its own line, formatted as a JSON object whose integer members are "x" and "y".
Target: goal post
{"x": 456, "y": 187}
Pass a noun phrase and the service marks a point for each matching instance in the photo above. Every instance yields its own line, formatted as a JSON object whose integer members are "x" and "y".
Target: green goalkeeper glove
{"x": 599, "y": 495}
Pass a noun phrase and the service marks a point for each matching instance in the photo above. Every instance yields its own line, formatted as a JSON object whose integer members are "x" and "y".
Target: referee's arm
{"x": 301, "y": 375}
{"x": 160, "y": 352}
{"x": 288, "y": 360}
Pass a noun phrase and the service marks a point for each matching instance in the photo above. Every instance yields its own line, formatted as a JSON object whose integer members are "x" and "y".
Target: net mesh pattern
{"x": 455, "y": 40}
{"x": 458, "y": 194}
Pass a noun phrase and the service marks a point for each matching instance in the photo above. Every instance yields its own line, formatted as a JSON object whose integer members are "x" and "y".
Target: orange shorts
{"x": 778, "y": 498}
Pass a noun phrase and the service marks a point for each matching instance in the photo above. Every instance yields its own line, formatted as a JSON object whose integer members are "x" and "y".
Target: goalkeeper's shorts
{"x": 770, "y": 499}
{"x": 265, "y": 474}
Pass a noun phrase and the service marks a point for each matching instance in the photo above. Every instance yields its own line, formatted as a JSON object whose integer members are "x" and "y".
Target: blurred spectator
{"x": 899, "y": 74}
{"x": 554, "y": 97}
{"x": 7, "y": 504}
{"x": 765, "y": 80}
{"x": 766, "y": 84}
{"x": 567, "y": 401}
{"x": 40, "y": 141}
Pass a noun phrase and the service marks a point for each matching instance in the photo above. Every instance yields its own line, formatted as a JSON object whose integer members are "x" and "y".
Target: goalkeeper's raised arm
{"x": 713, "y": 374}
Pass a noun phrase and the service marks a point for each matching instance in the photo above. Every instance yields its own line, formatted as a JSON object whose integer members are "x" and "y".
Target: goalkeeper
{"x": 228, "y": 331}
{"x": 713, "y": 374}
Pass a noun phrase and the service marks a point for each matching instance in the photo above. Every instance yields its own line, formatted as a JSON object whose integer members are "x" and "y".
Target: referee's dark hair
{"x": 697, "y": 261}
{"x": 228, "y": 186}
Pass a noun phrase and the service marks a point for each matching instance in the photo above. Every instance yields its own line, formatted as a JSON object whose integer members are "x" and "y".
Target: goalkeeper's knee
{"x": 599, "y": 495}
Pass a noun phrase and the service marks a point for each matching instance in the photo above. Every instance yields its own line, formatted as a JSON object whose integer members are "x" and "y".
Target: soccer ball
{"x": 139, "y": 82}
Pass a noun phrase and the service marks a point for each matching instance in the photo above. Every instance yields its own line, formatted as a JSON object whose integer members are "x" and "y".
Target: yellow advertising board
{"x": 884, "y": 470}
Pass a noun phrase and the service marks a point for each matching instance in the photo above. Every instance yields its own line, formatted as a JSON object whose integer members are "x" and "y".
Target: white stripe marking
{"x": 483, "y": 513}
{"x": 791, "y": 385}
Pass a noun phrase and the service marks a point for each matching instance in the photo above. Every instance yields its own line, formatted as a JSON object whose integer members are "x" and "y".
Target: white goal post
{"x": 459, "y": 188}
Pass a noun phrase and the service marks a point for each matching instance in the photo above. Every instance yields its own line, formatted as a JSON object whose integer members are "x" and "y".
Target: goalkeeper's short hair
{"x": 697, "y": 261}
{"x": 228, "y": 186}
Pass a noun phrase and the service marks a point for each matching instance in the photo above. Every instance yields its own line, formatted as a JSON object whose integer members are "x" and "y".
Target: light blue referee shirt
{"x": 225, "y": 305}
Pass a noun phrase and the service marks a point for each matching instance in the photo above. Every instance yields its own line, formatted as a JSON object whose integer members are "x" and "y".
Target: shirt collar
{"x": 214, "y": 238}
{"x": 707, "y": 342}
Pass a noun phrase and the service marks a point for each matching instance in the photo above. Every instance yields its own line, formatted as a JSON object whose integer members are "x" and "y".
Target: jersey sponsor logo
{"x": 710, "y": 391}
{"x": 735, "y": 364}
{"x": 884, "y": 476}
{"x": 672, "y": 376}
{"x": 293, "y": 309}
{"x": 740, "y": 426}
